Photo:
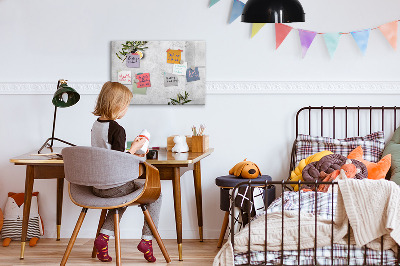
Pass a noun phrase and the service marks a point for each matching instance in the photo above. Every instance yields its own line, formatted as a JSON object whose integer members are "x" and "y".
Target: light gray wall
{"x": 42, "y": 41}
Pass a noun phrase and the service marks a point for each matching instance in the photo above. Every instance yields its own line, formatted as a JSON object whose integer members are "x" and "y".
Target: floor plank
{"x": 49, "y": 252}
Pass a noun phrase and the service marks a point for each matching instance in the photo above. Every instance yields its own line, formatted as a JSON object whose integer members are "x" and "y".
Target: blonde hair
{"x": 112, "y": 99}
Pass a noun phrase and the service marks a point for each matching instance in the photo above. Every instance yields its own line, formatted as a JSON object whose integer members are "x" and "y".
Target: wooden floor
{"x": 50, "y": 252}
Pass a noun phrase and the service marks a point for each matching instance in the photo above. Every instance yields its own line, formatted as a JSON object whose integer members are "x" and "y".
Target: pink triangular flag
{"x": 306, "y": 39}
{"x": 389, "y": 30}
{"x": 281, "y": 31}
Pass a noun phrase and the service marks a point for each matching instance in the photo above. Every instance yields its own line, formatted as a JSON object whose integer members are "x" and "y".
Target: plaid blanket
{"x": 306, "y": 201}
{"x": 340, "y": 254}
{"x": 323, "y": 205}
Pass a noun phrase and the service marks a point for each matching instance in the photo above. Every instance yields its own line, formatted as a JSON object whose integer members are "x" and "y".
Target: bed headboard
{"x": 347, "y": 116}
{"x": 344, "y": 121}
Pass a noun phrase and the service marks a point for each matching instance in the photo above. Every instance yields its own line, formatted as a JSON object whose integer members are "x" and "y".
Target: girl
{"x": 112, "y": 103}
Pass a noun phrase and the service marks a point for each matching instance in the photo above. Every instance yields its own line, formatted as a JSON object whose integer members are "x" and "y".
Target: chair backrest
{"x": 92, "y": 166}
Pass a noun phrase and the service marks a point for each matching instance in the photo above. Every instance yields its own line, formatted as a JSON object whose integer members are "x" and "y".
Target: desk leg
{"x": 27, "y": 206}
{"x": 60, "y": 190}
{"x": 176, "y": 182}
{"x": 197, "y": 189}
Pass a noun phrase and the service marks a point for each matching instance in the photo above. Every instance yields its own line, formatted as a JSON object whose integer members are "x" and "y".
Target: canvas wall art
{"x": 161, "y": 72}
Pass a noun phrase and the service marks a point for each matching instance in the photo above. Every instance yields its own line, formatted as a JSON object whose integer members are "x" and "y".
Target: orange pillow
{"x": 375, "y": 170}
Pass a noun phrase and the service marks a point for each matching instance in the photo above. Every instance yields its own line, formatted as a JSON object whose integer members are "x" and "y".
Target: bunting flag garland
{"x": 213, "y": 2}
{"x": 237, "y": 9}
{"x": 256, "y": 27}
{"x": 281, "y": 31}
{"x": 361, "y": 37}
{"x": 306, "y": 39}
{"x": 389, "y": 30}
{"x": 332, "y": 41}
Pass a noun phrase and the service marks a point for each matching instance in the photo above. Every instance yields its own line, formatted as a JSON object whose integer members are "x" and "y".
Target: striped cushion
{"x": 372, "y": 145}
{"x": 13, "y": 228}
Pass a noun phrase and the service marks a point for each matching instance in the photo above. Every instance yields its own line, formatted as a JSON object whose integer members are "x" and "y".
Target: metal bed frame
{"x": 284, "y": 183}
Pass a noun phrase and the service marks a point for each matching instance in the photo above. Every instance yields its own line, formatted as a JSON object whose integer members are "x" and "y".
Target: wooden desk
{"x": 171, "y": 167}
{"x": 40, "y": 167}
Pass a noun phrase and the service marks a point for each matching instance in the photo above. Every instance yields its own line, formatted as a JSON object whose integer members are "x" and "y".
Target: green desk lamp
{"x": 65, "y": 96}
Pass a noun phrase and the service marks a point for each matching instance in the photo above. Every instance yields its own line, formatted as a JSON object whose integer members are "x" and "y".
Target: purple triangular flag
{"x": 306, "y": 39}
{"x": 237, "y": 9}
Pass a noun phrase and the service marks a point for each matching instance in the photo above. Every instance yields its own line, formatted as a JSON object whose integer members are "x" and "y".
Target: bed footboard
{"x": 312, "y": 259}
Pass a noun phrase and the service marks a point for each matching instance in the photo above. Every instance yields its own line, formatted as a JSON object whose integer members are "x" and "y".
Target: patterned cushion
{"x": 372, "y": 144}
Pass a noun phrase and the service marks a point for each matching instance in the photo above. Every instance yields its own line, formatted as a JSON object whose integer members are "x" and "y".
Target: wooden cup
{"x": 200, "y": 143}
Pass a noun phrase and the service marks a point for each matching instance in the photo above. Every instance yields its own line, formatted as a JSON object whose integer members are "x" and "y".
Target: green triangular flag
{"x": 256, "y": 27}
{"x": 332, "y": 41}
{"x": 213, "y": 2}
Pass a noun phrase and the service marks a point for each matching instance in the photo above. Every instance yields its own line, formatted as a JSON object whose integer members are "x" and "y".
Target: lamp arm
{"x": 54, "y": 119}
{"x": 54, "y": 126}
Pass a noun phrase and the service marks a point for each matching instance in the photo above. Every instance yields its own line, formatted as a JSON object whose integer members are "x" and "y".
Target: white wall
{"x": 42, "y": 41}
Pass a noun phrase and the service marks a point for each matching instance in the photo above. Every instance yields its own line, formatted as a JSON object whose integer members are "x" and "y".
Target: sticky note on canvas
{"x": 136, "y": 90}
{"x": 125, "y": 77}
{"x": 144, "y": 80}
{"x": 170, "y": 80}
{"x": 133, "y": 60}
{"x": 174, "y": 56}
{"x": 179, "y": 69}
{"x": 192, "y": 74}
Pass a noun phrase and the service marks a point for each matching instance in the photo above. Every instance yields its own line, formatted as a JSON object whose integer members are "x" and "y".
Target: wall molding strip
{"x": 232, "y": 87}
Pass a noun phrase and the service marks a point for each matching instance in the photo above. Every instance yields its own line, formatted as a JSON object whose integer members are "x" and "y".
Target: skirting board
{"x": 233, "y": 87}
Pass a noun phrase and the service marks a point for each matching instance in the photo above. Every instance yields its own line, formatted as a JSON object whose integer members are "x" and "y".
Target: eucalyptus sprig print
{"x": 180, "y": 99}
{"x": 131, "y": 47}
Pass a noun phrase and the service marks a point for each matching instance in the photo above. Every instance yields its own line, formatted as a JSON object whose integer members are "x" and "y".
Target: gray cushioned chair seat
{"x": 83, "y": 196}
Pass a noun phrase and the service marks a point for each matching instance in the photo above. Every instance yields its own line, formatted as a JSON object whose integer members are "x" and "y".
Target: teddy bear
{"x": 245, "y": 169}
{"x": 180, "y": 144}
{"x": 13, "y": 215}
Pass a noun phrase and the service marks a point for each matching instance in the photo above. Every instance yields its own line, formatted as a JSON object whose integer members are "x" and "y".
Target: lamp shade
{"x": 65, "y": 96}
{"x": 273, "y": 11}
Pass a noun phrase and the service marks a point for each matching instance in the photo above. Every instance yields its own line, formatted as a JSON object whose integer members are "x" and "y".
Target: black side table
{"x": 226, "y": 183}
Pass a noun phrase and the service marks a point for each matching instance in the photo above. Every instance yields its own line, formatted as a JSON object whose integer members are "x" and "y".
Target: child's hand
{"x": 143, "y": 155}
{"x": 137, "y": 144}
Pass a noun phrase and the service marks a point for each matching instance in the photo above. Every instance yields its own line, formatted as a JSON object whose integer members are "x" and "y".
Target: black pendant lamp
{"x": 273, "y": 11}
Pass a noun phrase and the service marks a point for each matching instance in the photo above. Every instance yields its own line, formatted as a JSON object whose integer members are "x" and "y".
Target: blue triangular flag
{"x": 332, "y": 41}
{"x": 361, "y": 37}
{"x": 213, "y": 2}
{"x": 237, "y": 9}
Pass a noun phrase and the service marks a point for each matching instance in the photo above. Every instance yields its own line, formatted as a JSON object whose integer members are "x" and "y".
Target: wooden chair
{"x": 85, "y": 167}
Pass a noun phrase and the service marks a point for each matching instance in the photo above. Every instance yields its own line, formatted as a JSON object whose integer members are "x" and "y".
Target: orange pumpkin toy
{"x": 245, "y": 169}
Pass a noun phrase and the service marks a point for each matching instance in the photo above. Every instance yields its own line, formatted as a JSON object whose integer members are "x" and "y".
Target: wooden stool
{"x": 226, "y": 183}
